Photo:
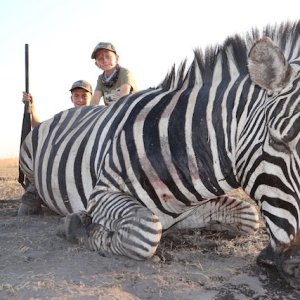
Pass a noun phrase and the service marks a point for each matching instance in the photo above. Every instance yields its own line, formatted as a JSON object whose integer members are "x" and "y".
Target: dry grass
{"x": 10, "y": 189}
{"x": 9, "y": 168}
{"x": 191, "y": 264}
{"x": 9, "y": 162}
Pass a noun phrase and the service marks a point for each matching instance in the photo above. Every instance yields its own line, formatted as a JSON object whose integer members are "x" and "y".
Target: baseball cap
{"x": 82, "y": 84}
{"x": 103, "y": 45}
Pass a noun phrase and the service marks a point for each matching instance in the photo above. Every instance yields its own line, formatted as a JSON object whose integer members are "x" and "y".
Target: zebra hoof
{"x": 30, "y": 203}
{"x": 85, "y": 218}
{"x": 27, "y": 210}
{"x": 74, "y": 228}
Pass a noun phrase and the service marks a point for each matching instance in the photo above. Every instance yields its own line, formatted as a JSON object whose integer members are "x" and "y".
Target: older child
{"x": 115, "y": 81}
{"x": 81, "y": 95}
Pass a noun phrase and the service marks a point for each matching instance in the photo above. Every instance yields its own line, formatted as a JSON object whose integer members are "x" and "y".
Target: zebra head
{"x": 277, "y": 184}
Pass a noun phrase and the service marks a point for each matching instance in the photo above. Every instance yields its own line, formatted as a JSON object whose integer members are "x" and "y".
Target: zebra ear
{"x": 267, "y": 66}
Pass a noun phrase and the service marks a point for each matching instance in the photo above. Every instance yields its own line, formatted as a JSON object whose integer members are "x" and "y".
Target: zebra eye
{"x": 278, "y": 145}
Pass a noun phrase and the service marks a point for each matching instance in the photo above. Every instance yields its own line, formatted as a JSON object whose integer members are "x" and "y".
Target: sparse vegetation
{"x": 9, "y": 169}
{"x": 36, "y": 264}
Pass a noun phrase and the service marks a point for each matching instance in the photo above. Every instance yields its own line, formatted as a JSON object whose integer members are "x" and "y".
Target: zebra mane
{"x": 285, "y": 35}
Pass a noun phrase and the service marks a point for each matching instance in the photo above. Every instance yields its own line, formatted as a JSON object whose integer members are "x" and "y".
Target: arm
{"x": 127, "y": 84}
{"x": 125, "y": 89}
{"x": 96, "y": 98}
{"x": 35, "y": 120}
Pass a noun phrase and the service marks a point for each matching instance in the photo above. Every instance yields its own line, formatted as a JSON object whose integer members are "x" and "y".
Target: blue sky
{"x": 150, "y": 37}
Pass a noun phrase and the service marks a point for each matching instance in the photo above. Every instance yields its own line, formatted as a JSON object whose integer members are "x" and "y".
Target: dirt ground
{"x": 37, "y": 264}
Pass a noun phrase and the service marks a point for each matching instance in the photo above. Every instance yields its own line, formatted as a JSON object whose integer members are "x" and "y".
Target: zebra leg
{"x": 30, "y": 202}
{"x": 115, "y": 223}
{"x": 223, "y": 214}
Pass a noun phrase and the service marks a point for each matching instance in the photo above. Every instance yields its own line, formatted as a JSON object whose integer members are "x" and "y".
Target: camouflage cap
{"x": 103, "y": 45}
{"x": 82, "y": 84}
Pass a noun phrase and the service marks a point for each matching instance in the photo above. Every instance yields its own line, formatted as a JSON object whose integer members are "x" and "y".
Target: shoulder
{"x": 126, "y": 77}
{"x": 100, "y": 76}
{"x": 124, "y": 70}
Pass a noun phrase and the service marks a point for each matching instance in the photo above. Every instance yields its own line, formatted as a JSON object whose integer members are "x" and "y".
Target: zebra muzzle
{"x": 288, "y": 264}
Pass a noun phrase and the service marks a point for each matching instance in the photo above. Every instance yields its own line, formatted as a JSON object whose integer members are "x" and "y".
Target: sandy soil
{"x": 37, "y": 264}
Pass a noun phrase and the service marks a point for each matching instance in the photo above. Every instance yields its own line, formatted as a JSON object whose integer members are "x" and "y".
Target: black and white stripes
{"x": 166, "y": 156}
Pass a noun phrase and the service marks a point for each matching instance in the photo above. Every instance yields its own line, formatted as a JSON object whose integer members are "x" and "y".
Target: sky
{"x": 149, "y": 36}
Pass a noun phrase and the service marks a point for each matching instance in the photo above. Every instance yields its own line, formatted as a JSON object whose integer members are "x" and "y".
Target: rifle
{"x": 26, "y": 125}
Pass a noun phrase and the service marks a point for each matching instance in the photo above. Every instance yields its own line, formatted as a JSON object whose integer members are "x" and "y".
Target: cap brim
{"x": 80, "y": 87}
{"x": 93, "y": 56}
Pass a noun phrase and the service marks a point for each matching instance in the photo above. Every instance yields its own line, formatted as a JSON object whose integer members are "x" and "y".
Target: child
{"x": 81, "y": 95}
{"x": 115, "y": 81}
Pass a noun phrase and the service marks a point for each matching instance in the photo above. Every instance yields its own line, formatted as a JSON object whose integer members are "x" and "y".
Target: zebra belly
{"x": 64, "y": 190}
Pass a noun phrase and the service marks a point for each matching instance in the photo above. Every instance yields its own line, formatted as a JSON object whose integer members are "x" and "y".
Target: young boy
{"x": 81, "y": 95}
{"x": 115, "y": 81}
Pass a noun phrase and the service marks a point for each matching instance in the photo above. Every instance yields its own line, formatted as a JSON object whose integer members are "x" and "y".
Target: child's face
{"x": 81, "y": 97}
{"x": 106, "y": 60}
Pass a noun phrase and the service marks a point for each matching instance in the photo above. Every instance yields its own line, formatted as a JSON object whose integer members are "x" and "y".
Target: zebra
{"x": 166, "y": 157}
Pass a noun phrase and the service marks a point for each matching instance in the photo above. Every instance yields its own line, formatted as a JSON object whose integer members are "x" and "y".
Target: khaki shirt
{"x": 112, "y": 94}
